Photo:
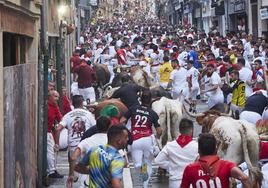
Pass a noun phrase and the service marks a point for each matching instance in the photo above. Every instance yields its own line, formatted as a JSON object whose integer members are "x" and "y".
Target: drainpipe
{"x": 78, "y": 21}
{"x": 42, "y": 99}
{"x": 59, "y": 60}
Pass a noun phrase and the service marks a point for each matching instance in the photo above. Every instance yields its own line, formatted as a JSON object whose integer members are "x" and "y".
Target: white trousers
{"x": 74, "y": 88}
{"x": 234, "y": 108}
{"x": 193, "y": 92}
{"x": 88, "y": 93}
{"x": 155, "y": 73}
{"x": 51, "y": 156}
{"x": 164, "y": 85}
{"x": 180, "y": 93}
{"x": 249, "y": 116}
{"x": 215, "y": 99}
{"x": 174, "y": 183}
{"x": 111, "y": 70}
{"x": 142, "y": 151}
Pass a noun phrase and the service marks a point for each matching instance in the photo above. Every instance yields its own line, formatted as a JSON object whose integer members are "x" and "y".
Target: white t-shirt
{"x": 215, "y": 79}
{"x": 193, "y": 72}
{"x": 93, "y": 141}
{"x": 97, "y": 54}
{"x": 155, "y": 58}
{"x": 119, "y": 43}
{"x": 245, "y": 75}
{"x": 178, "y": 76}
{"x": 77, "y": 122}
{"x": 145, "y": 66}
{"x": 95, "y": 42}
{"x": 112, "y": 51}
{"x": 182, "y": 58}
{"x": 148, "y": 53}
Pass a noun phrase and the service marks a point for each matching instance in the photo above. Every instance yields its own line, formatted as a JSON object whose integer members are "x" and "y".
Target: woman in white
{"x": 212, "y": 83}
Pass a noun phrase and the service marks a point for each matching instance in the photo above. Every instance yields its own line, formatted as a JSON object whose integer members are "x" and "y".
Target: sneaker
{"x": 55, "y": 175}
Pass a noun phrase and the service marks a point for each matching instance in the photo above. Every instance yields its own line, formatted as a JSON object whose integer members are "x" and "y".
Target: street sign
{"x": 264, "y": 13}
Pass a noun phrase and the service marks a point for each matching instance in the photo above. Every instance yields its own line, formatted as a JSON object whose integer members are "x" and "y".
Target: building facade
{"x": 19, "y": 44}
{"x": 248, "y": 16}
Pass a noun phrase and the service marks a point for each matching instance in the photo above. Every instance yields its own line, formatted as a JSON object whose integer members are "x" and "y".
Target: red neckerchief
{"x": 183, "y": 140}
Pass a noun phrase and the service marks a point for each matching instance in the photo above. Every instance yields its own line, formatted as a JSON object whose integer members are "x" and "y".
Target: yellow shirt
{"x": 233, "y": 58}
{"x": 165, "y": 71}
{"x": 239, "y": 96}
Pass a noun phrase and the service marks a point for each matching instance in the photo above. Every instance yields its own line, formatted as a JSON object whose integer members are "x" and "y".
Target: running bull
{"x": 238, "y": 140}
{"x": 170, "y": 115}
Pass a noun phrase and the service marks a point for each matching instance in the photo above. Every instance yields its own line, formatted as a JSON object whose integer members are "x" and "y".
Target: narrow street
{"x": 129, "y": 174}
{"x": 82, "y": 65}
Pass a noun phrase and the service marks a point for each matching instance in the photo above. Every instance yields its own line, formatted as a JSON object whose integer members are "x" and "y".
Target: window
{"x": 15, "y": 49}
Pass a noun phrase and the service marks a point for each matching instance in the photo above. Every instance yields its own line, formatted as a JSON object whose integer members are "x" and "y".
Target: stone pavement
{"x": 129, "y": 182}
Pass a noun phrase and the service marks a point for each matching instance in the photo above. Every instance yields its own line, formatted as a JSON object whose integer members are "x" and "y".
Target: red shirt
{"x": 75, "y": 61}
{"x": 86, "y": 75}
{"x": 121, "y": 57}
{"x": 66, "y": 105}
{"x": 200, "y": 174}
{"x": 53, "y": 114}
{"x": 263, "y": 150}
{"x": 222, "y": 69}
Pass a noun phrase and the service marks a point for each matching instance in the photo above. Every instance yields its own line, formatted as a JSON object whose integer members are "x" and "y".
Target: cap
{"x": 110, "y": 110}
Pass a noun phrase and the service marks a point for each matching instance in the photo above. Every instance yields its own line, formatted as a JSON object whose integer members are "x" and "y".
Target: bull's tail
{"x": 168, "y": 121}
{"x": 254, "y": 172}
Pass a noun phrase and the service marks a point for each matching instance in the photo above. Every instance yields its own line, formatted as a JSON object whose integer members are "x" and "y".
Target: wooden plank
{"x": 20, "y": 125}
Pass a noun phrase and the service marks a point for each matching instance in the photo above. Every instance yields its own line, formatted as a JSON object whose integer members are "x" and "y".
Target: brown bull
{"x": 102, "y": 74}
{"x": 97, "y": 109}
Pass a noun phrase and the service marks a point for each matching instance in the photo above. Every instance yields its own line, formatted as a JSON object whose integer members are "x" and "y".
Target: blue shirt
{"x": 105, "y": 163}
{"x": 193, "y": 55}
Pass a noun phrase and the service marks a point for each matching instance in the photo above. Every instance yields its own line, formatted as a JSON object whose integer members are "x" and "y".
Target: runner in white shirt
{"x": 144, "y": 64}
{"x": 77, "y": 122}
{"x": 155, "y": 65}
{"x": 193, "y": 85}
{"x": 177, "y": 81}
{"x": 212, "y": 86}
{"x": 245, "y": 74}
{"x": 183, "y": 55}
{"x": 176, "y": 155}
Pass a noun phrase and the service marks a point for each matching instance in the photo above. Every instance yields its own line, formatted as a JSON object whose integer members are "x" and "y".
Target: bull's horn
{"x": 192, "y": 114}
